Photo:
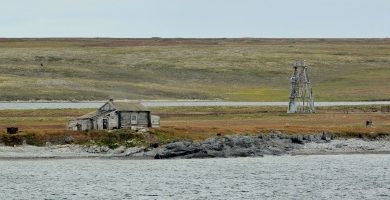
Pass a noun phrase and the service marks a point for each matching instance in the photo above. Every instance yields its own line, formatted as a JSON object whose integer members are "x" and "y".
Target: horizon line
{"x": 77, "y": 37}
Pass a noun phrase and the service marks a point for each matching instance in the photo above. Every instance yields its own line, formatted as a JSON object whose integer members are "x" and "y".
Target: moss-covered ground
{"x": 228, "y": 69}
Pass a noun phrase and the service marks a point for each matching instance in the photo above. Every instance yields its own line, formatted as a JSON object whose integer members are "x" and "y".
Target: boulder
{"x": 68, "y": 139}
{"x": 104, "y": 149}
{"x": 216, "y": 144}
{"x": 326, "y": 136}
{"x": 199, "y": 154}
{"x": 152, "y": 152}
{"x": 132, "y": 151}
{"x": 139, "y": 154}
{"x": 317, "y": 137}
{"x": 242, "y": 141}
{"x": 274, "y": 151}
{"x": 214, "y": 154}
{"x": 298, "y": 139}
{"x": 48, "y": 144}
{"x": 119, "y": 150}
{"x": 144, "y": 132}
{"x": 240, "y": 152}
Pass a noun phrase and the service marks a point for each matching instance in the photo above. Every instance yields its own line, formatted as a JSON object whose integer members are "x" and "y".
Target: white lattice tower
{"x": 301, "y": 94}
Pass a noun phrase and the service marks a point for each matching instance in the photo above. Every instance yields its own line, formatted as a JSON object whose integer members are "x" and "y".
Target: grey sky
{"x": 195, "y": 18}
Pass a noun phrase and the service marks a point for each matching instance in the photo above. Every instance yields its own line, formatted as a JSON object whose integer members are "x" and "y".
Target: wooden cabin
{"x": 115, "y": 115}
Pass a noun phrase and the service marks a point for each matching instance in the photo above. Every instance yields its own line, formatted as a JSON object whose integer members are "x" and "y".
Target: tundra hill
{"x": 244, "y": 69}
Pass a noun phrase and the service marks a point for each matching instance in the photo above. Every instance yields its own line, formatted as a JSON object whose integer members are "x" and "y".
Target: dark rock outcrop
{"x": 239, "y": 146}
{"x": 176, "y": 149}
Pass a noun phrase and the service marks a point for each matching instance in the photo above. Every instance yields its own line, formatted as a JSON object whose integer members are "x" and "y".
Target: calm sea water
{"x": 284, "y": 177}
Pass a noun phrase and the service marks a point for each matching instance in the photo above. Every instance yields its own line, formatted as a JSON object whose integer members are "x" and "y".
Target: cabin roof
{"x": 118, "y": 106}
{"x": 128, "y": 106}
{"x": 89, "y": 115}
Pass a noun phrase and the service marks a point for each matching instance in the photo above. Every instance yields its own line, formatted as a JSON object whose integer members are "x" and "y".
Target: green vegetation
{"x": 227, "y": 69}
{"x": 115, "y": 138}
{"x": 111, "y": 139}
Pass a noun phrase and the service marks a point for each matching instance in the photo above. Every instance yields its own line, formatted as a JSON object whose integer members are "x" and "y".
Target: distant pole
{"x": 301, "y": 94}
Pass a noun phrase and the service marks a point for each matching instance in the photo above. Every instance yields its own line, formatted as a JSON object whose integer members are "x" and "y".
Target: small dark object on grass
{"x": 12, "y": 130}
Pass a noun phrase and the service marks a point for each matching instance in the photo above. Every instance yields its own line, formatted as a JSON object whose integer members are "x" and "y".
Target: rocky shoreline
{"x": 219, "y": 146}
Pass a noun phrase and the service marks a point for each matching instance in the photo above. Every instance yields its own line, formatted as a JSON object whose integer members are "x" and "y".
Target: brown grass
{"x": 198, "y": 123}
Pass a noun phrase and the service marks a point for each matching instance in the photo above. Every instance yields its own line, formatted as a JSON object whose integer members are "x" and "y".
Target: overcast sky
{"x": 195, "y": 18}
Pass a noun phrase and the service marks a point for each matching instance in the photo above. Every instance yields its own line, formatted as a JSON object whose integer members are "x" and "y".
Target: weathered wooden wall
{"x": 142, "y": 119}
{"x": 85, "y": 124}
{"x": 112, "y": 118}
{"x": 116, "y": 120}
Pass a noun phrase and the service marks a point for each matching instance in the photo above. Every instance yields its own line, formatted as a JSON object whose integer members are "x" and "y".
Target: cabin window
{"x": 133, "y": 119}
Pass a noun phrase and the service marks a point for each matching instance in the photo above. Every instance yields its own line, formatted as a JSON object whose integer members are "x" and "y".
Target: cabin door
{"x": 134, "y": 119}
{"x": 105, "y": 123}
{"x": 78, "y": 127}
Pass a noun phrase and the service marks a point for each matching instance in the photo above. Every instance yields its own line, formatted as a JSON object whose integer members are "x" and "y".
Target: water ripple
{"x": 283, "y": 177}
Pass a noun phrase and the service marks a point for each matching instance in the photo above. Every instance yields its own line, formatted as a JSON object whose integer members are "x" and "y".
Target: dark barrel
{"x": 12, "y": 130}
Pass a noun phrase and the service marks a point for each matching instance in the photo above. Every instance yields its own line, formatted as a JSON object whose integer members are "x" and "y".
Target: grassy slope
{"x": 228, "y": 69}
